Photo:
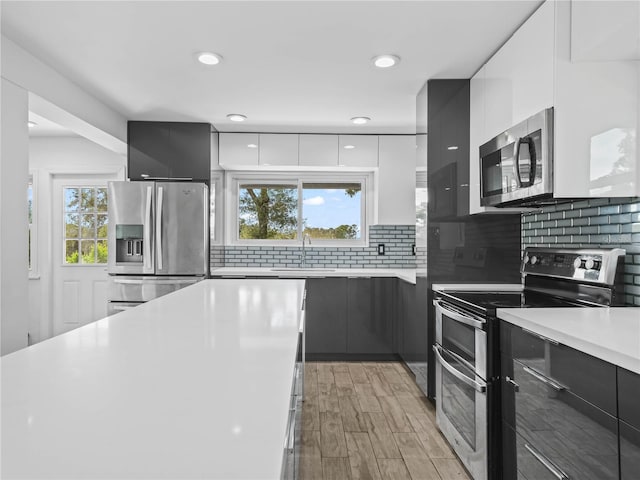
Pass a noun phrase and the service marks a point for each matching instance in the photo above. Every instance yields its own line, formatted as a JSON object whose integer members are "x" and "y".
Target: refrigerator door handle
{"x": 147, "y": 232}
{"x": 159, "y": 228}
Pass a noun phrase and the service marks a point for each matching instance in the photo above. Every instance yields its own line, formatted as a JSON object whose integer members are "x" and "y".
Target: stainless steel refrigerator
{"x": 158, "y": 240}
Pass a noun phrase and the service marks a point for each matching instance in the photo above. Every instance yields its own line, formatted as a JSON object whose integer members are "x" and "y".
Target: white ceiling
{"x": 290, "y": 66}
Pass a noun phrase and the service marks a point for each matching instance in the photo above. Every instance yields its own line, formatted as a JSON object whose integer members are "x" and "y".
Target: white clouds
{"x": 314, "y": 201}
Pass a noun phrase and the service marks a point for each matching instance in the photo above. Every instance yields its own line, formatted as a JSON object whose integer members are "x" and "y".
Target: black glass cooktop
{"x": 489, "y": 301}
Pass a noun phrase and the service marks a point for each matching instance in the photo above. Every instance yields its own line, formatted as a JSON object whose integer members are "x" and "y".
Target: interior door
{"x": 79, "y": 250}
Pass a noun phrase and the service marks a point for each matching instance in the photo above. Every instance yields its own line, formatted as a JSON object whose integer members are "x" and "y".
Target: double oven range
{"x": 467, "y": 348}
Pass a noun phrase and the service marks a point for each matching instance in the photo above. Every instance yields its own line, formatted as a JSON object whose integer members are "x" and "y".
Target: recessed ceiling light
{"x": 209, "y": 58}
{"x": 386, "y": 61}
{"x": 31, "y": 124}
{"x": 452, "y": 147}
{"x": 236, "y": 117}
{"x": 349, "y": 147}
{"x": 360, "y": 120}
{"x": 252, "y": 145}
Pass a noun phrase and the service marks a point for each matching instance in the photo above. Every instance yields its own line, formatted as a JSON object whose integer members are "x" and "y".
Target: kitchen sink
{"x": 303, "y": 269}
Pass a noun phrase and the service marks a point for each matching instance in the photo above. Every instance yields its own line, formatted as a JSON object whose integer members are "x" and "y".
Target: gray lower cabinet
{"x": 370, "y": 315}
{"x": 326, "y": 316}
{"x": 561, "y": 406}
{"x": 629, "y": 423}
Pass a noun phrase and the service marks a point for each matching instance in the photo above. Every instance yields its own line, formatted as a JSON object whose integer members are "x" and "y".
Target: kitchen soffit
{"x": 288, "y": 66}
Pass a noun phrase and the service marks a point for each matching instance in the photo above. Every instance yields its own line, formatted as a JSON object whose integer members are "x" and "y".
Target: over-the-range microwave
{"x": 516, "y": 167}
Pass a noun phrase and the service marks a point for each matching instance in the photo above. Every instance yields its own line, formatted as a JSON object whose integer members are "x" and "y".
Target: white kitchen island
{"x": 195, "y": 384}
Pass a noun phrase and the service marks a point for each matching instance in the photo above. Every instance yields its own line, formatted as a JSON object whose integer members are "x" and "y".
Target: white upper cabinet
{"x": 596, "y": 103}
{"x": 358, "y": 151}
{"x": 239, "y": 149}
{"x": 397, "y": 184}
{"x": 318, "y": 150}
{"x": 605, "y": 31}
{"x": 278, "y": 149}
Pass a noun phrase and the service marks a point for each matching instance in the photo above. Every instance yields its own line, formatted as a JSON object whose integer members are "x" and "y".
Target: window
{"x": 281, "y": 208}
{"x": 85, "y": 225}
{"x": 215, "y": 208}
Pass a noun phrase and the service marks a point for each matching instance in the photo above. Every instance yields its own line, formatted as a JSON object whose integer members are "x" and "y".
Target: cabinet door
{"x": 239, "y": 149}
{"x": 278, "y": 149}
{"x": 358, "y": 151}
{"x": 370, "y": 316}
{"x": 397, "y": 190}
{"x": 148, "y": 150}
{"x": 629, "y": 397}
{"x": 190, "y": 151}
{"x": 318, "y": 150}
{"x": 629, "y": 452}
{"x": 326, "y": 316}
{"x": 414, "y": 328}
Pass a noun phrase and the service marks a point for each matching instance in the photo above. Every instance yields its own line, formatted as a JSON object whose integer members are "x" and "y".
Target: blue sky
{"x": 328, "y": 208}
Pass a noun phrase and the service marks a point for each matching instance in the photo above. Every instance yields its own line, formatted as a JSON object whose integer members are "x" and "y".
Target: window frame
{"x": 33, "y": 226}
{"x": 80, "y": 239}
{"x": 234, "y": 180}
{"x": 216, "y": 216}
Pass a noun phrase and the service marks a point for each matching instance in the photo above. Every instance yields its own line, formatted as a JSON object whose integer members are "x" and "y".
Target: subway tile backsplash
{"x": 397, "y": 239}
{"x": 601, "y": 222}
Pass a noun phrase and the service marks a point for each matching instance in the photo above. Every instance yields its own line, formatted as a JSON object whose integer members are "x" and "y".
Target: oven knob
{"x": 534, "y": 260}
{"x": 577, "y": 262}
{"x": 526, "y": 259}
{"x": 590, "y": 264}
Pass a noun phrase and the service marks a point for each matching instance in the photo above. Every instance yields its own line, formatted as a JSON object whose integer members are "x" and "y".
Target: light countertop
{"x": 477, "y": 287}
{"x": 406, "y": 274}
{"x": 611, "y": 334}
{"x": 195, "y": 384}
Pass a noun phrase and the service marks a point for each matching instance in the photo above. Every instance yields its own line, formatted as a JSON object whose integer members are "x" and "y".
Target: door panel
{"x": 183, "y": 228}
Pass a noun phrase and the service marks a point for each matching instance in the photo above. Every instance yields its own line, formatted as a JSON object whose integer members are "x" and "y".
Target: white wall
{"x": 14, "y": 223}
{"x": 49, "y": 156}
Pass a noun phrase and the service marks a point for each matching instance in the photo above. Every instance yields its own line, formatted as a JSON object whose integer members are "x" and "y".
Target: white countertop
{"x": 611, "y": 334}
{"x": 406, "y": 274}
{"x": 477, "y": 287}
{"x": 195, "y": 384}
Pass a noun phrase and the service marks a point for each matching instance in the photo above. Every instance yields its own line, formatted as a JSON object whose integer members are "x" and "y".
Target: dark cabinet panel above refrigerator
{"x": 169, "y": 150}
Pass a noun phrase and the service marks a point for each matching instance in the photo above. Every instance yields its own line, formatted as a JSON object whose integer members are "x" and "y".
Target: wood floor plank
{"x": 353, "y": 419}
{"x": 327, "y": 389}
{"x": 342, "y": 378}
{"x": 377, "y": 421}
{"x": 398, "y": 421}
{"x": 400, "y": 389}
{"x": 434, "y": 443}
{"x": 311, "y": 413}
{"x": 380, "y": 385}
{"x": 411, "y": 403}
{"x": 358, "y": 374}
{"x": 382, "y": 440}
{"x": 450, "y": 469}
{"x": 310, "y": 382}
{"x": 336, "y": 469}
{"x": 332, "y": 441}
{"x": 361, "y": 457}
{"x": 369, "y": 403}
{"x": 340, "y": 367}
{"x": 415, "y": 457}
{"x": 422, "y": 469}
{"x": 364, "y": 389}
{"x": 345, "y": 390}
{"x": 325, "y": 373}
{"x": 310, "y": 456}
{"x": 328, "y": 403}
{"x": 393, "y": 469}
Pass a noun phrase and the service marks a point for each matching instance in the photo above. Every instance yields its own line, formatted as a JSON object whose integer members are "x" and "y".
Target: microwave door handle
{"x": 532, "y": 161}
{"x": 477, "y": 386}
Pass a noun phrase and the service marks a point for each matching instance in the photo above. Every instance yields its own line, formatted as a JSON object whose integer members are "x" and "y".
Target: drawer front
{"x": 579, "y": 437}
{"x": 629, "y": 397}
{"x": 144, "y": 289}
{"x": 585, "y": 376}
{"x": 523, "y": 461}
{"x": 629, "y": 452}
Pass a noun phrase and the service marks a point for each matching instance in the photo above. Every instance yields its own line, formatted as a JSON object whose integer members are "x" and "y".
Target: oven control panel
{"x": 592, "y": 265}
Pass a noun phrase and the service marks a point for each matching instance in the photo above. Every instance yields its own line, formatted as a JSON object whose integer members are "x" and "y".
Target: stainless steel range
{"x": 467, "y": 341}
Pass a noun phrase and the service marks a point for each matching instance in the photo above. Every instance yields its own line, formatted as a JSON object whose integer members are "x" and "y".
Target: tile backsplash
{"x": 601, "y": 222}
{"x": 397, "y": 239}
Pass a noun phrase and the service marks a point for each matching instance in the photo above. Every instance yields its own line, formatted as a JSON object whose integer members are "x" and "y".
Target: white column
{"x": 14, "y": 224}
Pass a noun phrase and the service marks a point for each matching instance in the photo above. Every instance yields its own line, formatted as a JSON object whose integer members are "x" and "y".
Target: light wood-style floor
{"x": 370, "y": 421}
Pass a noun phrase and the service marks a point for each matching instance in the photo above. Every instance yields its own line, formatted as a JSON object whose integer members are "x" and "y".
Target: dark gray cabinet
{"x": 370, "y": 315}
{"x": 561, "y": 406}
{"x": 629, "y": 423}
{"x": 169, "y": 150}
{"x": 326, "y": 316}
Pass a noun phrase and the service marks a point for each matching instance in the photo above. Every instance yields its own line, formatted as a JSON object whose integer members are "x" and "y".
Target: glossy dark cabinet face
{"x": 370, "y": 315}
{"x": 629, "y": 452}
{"x": 169, "y": 150}
{"x": 629, "y": 398}
{"x": 556, "y": 409}
{"x": 326, "y": 315}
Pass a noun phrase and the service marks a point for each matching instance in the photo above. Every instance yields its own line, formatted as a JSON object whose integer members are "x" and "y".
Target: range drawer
{"x": 580, "y": 438}
{"x": 629, "y": 452}
{"x": 629, "y": 397}
{"x": 588, "y": 377}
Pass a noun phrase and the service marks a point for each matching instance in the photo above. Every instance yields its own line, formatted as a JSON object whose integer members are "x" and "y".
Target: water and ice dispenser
{"x": 129, "y": 244}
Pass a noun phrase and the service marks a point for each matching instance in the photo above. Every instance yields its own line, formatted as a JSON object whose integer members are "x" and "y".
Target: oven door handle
{"x": 457, "y": 316}
{"x": 477, "y": 386}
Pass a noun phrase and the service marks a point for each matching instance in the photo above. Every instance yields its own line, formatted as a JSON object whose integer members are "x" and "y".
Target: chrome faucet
{"x": 303, "y": 257}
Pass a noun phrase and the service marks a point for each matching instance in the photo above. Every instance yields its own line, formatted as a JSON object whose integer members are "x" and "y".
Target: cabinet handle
{"x": 477, "y": 386}
{"x": 547, "y": 381}
{"x": 548, "y": 464}
{"x": 510, "y": 381}
{"x": 457, "y": 316}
